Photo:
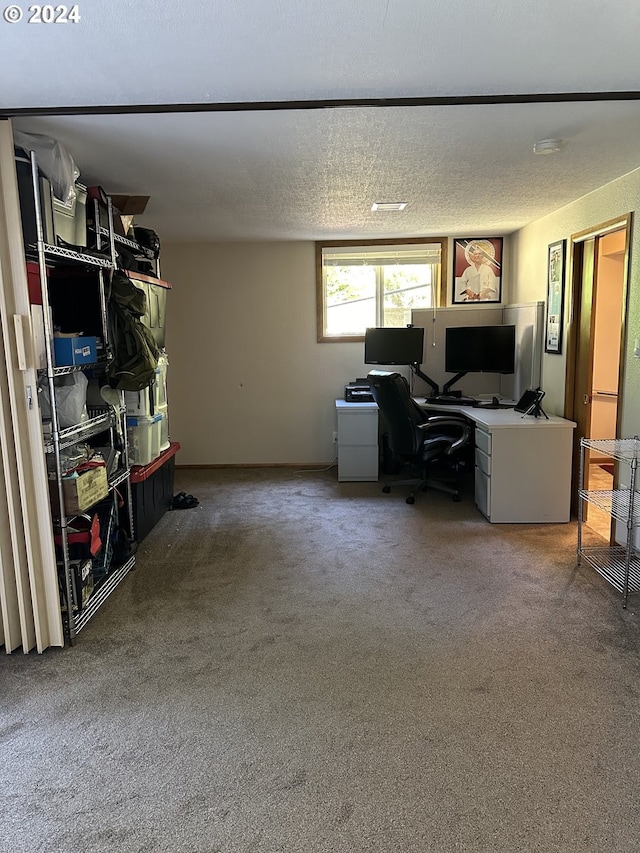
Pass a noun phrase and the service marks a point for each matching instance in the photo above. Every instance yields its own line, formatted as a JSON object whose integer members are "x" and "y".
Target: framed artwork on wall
{"x": 477, "y": 270}
{"x": 555, "y": 297}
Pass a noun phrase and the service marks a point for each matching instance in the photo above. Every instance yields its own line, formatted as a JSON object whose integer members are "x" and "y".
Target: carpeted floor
{"x": 305, "y": 666}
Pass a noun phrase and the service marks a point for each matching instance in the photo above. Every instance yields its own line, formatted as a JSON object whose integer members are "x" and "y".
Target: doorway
{"x": 599, "y": 264}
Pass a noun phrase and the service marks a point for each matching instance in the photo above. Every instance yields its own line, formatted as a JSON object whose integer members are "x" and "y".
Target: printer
{"x": 358, "y": 392}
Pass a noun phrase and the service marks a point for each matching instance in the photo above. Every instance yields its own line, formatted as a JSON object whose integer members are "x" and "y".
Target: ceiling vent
{"x": 388, "y": 205}
{"x": 547, "y": 146}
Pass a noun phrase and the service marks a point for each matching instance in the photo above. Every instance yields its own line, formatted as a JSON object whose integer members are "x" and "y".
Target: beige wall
{"x": 247, "y": 381}
{"x": 527, "y": 273}
{"x": 249, "y": 384}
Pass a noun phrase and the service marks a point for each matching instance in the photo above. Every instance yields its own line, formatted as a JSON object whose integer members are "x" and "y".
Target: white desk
{"x": 522, "y": 464}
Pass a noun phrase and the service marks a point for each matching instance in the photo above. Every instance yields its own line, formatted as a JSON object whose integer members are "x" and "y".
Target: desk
{"x": 522, "y": 464}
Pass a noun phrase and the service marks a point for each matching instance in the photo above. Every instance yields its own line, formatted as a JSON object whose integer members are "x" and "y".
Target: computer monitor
{"x": 394, "y": 345}
{"x": 479, "y": 349}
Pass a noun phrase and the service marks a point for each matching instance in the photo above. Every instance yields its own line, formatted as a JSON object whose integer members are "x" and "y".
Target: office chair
{"x": 417, "y": 439}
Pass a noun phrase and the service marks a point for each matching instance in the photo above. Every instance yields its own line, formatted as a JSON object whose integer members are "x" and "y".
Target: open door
{"x": 597, "y": 337}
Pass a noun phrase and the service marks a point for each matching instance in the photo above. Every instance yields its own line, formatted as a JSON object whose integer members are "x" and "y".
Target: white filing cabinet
{"x": 523, "y": 470}
{"x": 357, "y": 441}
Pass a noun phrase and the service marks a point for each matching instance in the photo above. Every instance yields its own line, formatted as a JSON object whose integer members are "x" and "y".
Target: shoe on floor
{"x": 184, "y": 501}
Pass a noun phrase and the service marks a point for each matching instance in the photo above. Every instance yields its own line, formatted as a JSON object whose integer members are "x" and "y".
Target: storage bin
{"x": 163, "y": 411}
{"x": 152, "y": 492}
{"x": 160, "y": 384}
{"x": 138, "y": 403}
{"x": 143, "y": 436}
{"x": 73, "y": 351}
{"x": 28, "y": 204}
{"x": 70, "y": 218}
{"x": 155, "y": 290}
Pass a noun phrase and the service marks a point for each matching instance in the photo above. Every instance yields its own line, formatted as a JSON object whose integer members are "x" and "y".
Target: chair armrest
{"x": 439, "y": 421}
{"x": 452, "y": 418}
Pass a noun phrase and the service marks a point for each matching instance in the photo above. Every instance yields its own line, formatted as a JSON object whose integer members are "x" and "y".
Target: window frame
{"x": 439, "y": 290}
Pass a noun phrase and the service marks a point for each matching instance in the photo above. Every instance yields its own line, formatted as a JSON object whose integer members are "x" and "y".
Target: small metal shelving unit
{"x": 618, "y": 564}
{"x": 76, "y": 612}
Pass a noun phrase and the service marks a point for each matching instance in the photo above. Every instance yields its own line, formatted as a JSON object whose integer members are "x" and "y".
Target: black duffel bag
{"x": 148, "y": 239}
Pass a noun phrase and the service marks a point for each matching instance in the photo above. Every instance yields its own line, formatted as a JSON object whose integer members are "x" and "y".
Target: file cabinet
{"x": 358, "y": 454}
{"x": 523, "y": 470}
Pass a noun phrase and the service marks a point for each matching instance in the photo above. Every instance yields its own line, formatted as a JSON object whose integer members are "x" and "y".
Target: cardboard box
{"x": 130, "y": 204}
{"x": 81, "y": 492}
{"x": 82, "y": 585}
{"x": 74, "y": 350}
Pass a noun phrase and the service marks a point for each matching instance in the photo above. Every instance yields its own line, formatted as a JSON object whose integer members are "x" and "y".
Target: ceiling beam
{"x": 324, "y": 104}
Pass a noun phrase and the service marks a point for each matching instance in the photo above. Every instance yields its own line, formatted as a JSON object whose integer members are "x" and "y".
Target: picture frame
{"x": 477, "y": 275}
{"x": 554, "y": 314}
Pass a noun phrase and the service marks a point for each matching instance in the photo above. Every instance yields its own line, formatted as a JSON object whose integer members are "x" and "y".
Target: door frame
{"x": 575, "y": 287}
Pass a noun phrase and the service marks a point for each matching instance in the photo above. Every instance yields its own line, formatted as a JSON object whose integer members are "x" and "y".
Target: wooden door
{"x": 597, "y": 336}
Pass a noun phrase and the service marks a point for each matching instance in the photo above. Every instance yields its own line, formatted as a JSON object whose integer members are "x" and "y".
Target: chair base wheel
{"x": 386, "y": 489}
{"x": 410, "y": 500}
{"x": 457, "y": 499}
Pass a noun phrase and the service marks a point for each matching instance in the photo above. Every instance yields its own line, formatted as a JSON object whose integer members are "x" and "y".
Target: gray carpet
{"x": 304, "y": 666}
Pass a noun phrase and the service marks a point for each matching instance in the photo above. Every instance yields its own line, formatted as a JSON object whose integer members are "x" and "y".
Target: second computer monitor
{"x": 480, "y": 349}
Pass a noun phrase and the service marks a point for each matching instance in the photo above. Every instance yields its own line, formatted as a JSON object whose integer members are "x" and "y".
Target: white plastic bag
{"x": 54, "y": 160}
{"x": 71, "y": 400}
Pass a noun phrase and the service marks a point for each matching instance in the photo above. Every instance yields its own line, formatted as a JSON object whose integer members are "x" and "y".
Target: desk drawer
{"x": 357, "y": 464}
{"x": 483, "y": 462}
{"x": 358, "y": 428}
{"x": 483, "y": 440}
{"x": 483, "y": 493}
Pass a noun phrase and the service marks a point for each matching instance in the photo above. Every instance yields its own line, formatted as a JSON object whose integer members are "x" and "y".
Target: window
{"x": 375, "y": 283}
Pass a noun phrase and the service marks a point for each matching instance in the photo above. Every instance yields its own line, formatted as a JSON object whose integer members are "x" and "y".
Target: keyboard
{"x": 444, "y": 400}
{"x": 487, "y": 404}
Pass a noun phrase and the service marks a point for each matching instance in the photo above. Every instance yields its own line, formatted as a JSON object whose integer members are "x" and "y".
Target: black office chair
{"x": 422, "y": 441}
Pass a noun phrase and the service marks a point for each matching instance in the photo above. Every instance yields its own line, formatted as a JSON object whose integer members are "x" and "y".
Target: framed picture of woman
{"x": 555, "y": 297}
{"x": 477, "y": 270}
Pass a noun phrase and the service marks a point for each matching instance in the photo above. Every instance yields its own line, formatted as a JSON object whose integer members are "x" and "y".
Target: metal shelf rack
{"x": 618, "y": 564}
{"x": 76, "y": 613}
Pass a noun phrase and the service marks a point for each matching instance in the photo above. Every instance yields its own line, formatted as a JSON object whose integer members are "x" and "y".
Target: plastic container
{"x": 160, "y": 383}
{"x": 143, "y": 436}
{"x": 163, "y": 411}
{"x": 70, "y": 218}
{"x": 138, "y": 403}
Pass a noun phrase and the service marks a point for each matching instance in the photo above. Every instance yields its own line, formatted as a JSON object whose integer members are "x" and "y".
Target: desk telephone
{"x": 529, "y": 403}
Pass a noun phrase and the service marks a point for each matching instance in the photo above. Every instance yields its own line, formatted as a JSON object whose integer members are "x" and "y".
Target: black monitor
{"x": 479, "y": 349}
{"x": 394, "y": 345}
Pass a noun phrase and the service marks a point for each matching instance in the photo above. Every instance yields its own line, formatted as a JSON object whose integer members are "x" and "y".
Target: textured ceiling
{"x": 313, "y": 174}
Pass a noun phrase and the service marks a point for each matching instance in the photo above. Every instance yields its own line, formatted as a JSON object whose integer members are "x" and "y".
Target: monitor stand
{"x": 446, "y": 388}
{"x": 433, "y": 385}
{"x": 451, "y": 398}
